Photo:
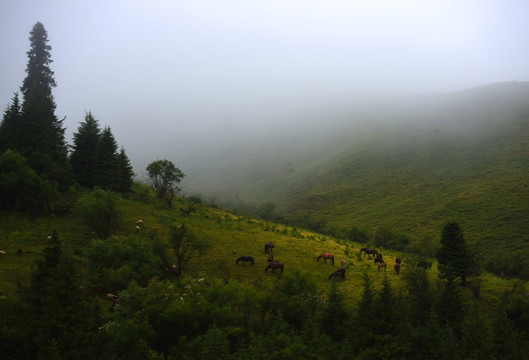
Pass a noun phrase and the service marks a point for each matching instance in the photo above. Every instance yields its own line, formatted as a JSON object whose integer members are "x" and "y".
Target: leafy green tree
{"x": 99, "y": 211}
{"x": 453, "y": 256}
{"x": 10, "y": 125}
{"x": 164, "y": 177}
{"x": 20, "y": 187}
{"x": 126, "y": 173}
{"x": 106, "y": 167}
{"x": 85, "y": 145}
{"x": 183, "y": 246}
{"x": 41, "y": 134}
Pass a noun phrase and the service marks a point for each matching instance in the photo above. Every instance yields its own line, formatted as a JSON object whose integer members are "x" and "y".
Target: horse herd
{"x": 340, "y": 273}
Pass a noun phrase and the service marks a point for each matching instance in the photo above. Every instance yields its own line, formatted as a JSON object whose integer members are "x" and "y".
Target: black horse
{"x": 269, "y": 247}
{"x": 397, "y": 268}
{"x": 398, "y": 260}
{"x": 340, "y": 273}
{"x": 379, "y": 259}
{"x": 245, "y": 259}
{"x": 368, "y": 251}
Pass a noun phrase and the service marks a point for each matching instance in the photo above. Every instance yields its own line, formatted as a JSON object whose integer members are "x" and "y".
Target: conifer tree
{"x": 64, "y": 322}
{"x": 106, "y": 167}
{"x": 454, "y": 254}
{"x": 9, "y": 128}
{"x": 41, "y": 134}
{"x": 126, "y": 173}
{"x": 85, "y": 145}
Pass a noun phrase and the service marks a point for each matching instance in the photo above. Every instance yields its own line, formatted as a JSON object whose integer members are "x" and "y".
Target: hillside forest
{"x": 94, "y": 264}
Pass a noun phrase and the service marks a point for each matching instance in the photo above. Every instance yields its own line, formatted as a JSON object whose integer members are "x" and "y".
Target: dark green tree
{"x": 453, "y": 256}
{"x": 126, "y": 173}
{"x": 106, "y": 167}
{"x": 63, "y": 320}
{"x": 164, "y": 177}
{"x": 450, "y": 307}
{"x": 420, "y": 299}
{"x": 10, "y": 125}
{"x": 20, "y": 186}
{"x": 99, "y": 212}
{"x": 41, "y": 134}
{"x": 85, "y": 145}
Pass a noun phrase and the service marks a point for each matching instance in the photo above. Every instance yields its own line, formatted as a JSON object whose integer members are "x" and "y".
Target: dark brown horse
{"x": 397, "y": 268}
{"x": 368, "y": 251}
{"x": 270, "y": 257}
{"x": 275, "y": 265}
{"x": 269, "y": 247}
{"x": 382, "y": 265}
{"x": 326, "y": 256}
{"x": 245, "y": 259}
{"x": 340, "y": 273}
{"x": 398, "y": 260}
{"x": 379, "y": 259}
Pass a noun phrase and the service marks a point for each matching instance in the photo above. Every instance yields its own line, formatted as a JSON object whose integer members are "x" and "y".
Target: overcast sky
{"x": 176, "y": 68}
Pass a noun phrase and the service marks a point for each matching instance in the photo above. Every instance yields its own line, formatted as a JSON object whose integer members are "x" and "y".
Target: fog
{"x": 190, "y": 80}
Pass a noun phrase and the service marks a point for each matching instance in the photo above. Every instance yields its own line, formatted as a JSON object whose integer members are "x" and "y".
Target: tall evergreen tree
{"x": 41, "y": 138}
{"x": 126, "y": 173}
{"x": 63, "y": 321}
{"x": 85, "y": 145}
{"x": 453, "y": 256}
{"x": 106, "y": 167}
{"x": 9, "y": 128}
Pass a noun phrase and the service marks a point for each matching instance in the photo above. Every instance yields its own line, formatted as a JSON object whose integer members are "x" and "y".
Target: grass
{"x": 231, "y": 236}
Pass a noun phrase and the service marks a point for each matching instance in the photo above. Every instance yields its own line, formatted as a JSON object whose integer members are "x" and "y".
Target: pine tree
{"x": 454, "y": 253}
{"x": 9, "y": 128}
{"x": 64, "y": 322}
{"x": 85, "y": 145}
{"x": 126, "y": 173}
{"x": 41, "y": 137}
{"x": 106, "y": 167}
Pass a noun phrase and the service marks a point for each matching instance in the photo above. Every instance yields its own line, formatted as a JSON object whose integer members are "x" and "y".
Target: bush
{"x": 98, "y": 211}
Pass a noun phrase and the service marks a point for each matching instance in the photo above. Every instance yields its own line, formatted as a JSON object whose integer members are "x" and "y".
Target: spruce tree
{"x": 126, "y": 173}
{"x": 85, "y": 145}
{"x": 9, "y": 128}
{"x": 453, "y": 256}
{"x": 41, "y": 137}
{"x": 106, "y": 167}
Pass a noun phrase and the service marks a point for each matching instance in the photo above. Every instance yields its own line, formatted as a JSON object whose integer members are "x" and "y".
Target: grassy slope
{"x": 463, "y": 156}
{"x": 231, "y": 237}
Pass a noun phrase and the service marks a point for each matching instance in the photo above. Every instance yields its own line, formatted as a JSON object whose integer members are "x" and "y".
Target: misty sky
{"x": 161, "y": 73}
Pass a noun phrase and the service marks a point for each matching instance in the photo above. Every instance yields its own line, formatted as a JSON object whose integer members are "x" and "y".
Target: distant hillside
{"x": 408, "y": 163}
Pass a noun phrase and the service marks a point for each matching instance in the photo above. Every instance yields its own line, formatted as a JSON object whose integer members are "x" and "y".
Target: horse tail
{"x": 332, "y": 259}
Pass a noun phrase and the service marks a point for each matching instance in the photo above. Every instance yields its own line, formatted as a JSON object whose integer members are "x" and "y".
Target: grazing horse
{"x": 340, "y": 273}
{"x": 275, "y": 265}
{"x": 269, "y": 247}
{"x": 425, "y": 264}
{"x": 382, "y": 265}
{"x": 397, "y": 268}
{"x": 245, "y": 259}
{"x": 326, "y": 256}
{"x": 379, "y": 259}
{"x": 368, "y": 251}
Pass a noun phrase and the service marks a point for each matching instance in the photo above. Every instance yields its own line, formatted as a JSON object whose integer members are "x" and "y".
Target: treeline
{"x": 38, "y": 171}
{"x": 157, "y": 315}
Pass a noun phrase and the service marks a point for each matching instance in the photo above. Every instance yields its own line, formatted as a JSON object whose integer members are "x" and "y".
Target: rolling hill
{"x": 409, "y": 163}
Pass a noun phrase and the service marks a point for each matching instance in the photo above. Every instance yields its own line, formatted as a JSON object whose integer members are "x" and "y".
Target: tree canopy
{"x": 164, "y": 177}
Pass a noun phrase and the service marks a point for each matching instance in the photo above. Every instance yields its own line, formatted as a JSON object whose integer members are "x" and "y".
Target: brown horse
{"x": 269, "y": 247}
{"x": 245, "y": 259}
{"x": 397, "y": 268}
{"x": 275, "y": 265}
{"x": 326, "y": 256}
{"x": 382, "y": 265}
{"x": 368, "y": 251}
{"x": 379, "y": 259}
